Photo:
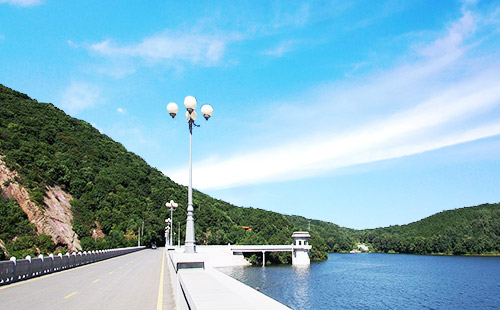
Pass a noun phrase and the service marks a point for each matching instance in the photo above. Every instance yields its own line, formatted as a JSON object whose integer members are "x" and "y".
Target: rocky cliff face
{"x": 3, "y": 248}
{"x": 54, "y": 218}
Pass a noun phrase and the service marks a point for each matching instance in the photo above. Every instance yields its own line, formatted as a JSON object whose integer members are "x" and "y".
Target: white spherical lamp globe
{"x": 207, "y": 111}
{"x": 190, "y": 103}
{"x": 172, "y": 109}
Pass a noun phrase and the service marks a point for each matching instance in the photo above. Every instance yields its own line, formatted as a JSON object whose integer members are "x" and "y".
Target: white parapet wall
{"x": 21, "y": 269}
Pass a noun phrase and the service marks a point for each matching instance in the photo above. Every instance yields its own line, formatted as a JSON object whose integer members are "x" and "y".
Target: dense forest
{"x": 117, "y": 191}
{"x": 472, "y": 230}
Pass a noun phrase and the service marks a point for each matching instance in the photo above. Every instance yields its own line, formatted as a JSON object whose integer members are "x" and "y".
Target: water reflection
{"x": 301, "y": 287}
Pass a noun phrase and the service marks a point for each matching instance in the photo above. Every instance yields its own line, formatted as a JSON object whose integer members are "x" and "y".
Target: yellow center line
{"x": 69, "y": 295}
{"x": 120, "y": 267}
{"x": 96, "y": 280}
{"x": 111, "y": 272}
{"x": 159, "y": 304}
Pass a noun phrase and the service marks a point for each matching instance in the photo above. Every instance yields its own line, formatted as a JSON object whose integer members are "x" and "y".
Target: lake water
{"x": 381, "y": 281}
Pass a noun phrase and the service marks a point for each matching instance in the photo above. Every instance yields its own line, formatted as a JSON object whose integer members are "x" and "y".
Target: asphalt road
{"x": 131, "y": 281}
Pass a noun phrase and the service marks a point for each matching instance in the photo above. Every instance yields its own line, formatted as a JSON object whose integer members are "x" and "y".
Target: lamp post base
{"x": 190, "y": 248}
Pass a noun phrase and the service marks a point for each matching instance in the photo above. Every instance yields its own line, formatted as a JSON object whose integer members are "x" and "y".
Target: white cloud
{"x": 72, "y": 44}
{"x": 136, "y": 138}
{"x": 97, "y": 127}
{"x": 452, "y": 43}
{"x": 442, "y": 99}
{"x": 195, "y": 48}
{"x": 414, "y": 131}
{"x": 292, "y": 18}
{"x": 355, "y": 68}
{"x": 22, "y": 2}
{"x": 282, "y": 48}
{"x": 121, "y": 110}
{"x": 80, "y": 96}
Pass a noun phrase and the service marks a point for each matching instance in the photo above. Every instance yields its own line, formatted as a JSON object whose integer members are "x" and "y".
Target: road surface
{"x": 131, "y": 281}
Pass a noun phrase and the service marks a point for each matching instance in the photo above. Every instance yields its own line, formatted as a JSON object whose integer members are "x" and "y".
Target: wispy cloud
{"x": 24, "y": 3}
{"x": 292, "y": 18}
{"x": 281, "y": 49}
{"x": 192, "y": 47}
{"x": 414, "y": 131}
{"x": 385, "y": 10}
{"x": 121, "y": 110}
{"x": 441, "y": 99}
{"x": 97, "y": 127}
{"x": 136, "y": 138}
{"x": 72, "y": 44}
{"x": 274, "y": 19}
{"x": 354, "y": 68}
{"x": 204, "y": 44}
{"x": 79, "y": 96}
{"x": 452, "y": 44}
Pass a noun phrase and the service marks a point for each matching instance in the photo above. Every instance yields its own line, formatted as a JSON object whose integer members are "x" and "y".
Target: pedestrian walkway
{"x": 168, "y": 302}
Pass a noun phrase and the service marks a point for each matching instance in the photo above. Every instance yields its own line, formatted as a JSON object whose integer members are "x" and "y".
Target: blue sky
{"x": 362, "y": 113}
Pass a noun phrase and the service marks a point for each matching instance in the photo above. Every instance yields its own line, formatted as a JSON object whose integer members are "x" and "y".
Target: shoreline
{"x": 429, "y": 254}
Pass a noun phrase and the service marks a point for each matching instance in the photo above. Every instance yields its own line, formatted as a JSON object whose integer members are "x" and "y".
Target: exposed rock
{"x": 53, "y": 219}
{"x": 3, "y": 248}
{"x": 97, "y": 231}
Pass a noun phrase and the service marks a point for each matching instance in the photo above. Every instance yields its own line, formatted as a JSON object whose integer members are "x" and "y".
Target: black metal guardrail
{"x": 14, "y": 270}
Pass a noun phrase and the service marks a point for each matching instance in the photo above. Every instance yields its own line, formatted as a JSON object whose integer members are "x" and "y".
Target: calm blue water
{"x": 381, "y": 281}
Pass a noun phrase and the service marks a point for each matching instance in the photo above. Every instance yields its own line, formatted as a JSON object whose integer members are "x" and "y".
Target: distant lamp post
{"x": 167, "y": 229}
{"x": 172, "y": 206}
{"x": 206, "y": 111}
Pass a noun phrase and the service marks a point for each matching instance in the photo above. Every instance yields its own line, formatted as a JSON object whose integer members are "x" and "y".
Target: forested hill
{"x": 471, "y": 230}
{"x": 114, "y": 191}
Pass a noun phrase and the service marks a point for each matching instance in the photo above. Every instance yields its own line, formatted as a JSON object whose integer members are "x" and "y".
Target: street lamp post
{"x": 207, "y": 111}
{"x": 172, "y": 206}
{"x": 167, "y": 229}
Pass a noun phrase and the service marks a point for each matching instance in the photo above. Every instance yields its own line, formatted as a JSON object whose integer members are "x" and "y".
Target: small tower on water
{"x": 301, "y": 248}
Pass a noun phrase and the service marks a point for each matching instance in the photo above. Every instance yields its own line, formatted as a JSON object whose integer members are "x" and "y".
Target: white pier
{"x": 198, "y": 285}
{"x": 300, "y": 249}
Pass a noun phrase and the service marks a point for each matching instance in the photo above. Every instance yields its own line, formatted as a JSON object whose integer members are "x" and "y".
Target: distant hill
{"x": 80, "y": 189}
{"x": 471, "y": 230}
